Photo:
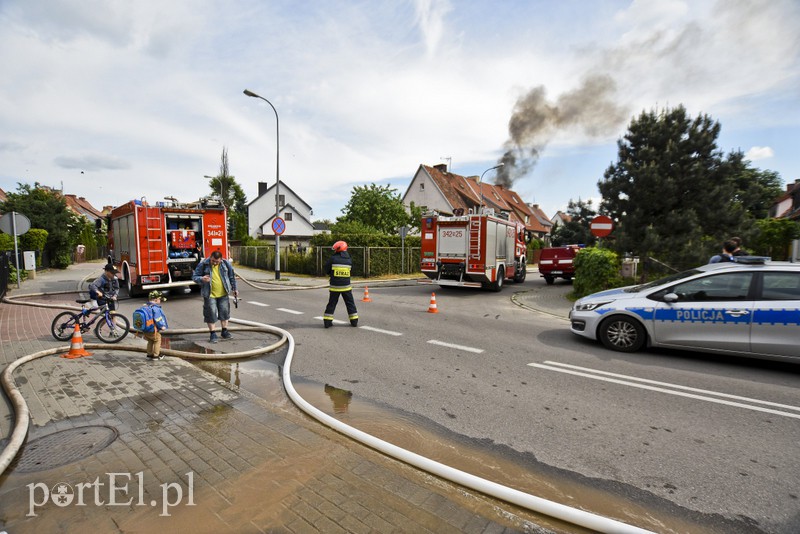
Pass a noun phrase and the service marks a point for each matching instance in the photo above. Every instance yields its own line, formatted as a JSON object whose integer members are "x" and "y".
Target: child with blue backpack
{"x": 149, "y": 321}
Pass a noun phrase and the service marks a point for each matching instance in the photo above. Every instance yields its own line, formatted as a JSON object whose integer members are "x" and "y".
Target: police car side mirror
{"x": 671, "y": 297}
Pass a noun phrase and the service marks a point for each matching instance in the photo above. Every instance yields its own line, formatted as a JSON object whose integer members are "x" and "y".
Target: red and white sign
{"x": 601, "y": 226}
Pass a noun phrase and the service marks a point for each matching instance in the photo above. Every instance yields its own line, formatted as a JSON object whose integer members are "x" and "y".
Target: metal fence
{"x": 367, "y": 261}
{"x": 5, "y": 271}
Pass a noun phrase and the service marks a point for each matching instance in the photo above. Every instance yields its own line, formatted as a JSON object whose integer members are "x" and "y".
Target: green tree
{"x": 48, "y": 210}
{"x": 379, "y": 207}
{"x": 227, "y": 189}
{"x": 673, "y": 193}
{"x": 754, "y": 189}
{"x": 577, "y": 230}
{"x": 775, "y": 237}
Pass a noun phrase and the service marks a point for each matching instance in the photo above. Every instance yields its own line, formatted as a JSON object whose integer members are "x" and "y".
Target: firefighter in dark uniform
{"x": 338, "y": 268}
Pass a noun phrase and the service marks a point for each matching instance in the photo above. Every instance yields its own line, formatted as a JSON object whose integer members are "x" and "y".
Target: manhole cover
{"x": 64, "y": 447}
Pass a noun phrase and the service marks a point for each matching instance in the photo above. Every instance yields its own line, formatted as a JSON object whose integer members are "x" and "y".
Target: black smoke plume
{"x": 535, "y": 121}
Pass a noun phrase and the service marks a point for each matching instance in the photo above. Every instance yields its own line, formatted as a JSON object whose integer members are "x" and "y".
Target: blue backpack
{"x": 143, "y": 320}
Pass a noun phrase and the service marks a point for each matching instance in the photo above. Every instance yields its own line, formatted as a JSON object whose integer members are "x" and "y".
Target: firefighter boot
{"x": 328, "y": 323}
{"x": 354, "y": 322}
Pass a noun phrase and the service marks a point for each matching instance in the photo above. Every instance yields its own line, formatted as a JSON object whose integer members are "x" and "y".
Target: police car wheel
{"x": 622, "y": 334}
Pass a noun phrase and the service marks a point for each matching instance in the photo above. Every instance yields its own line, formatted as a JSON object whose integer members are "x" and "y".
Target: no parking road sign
{"x": 601, "y": 226}
{"x": 278, "y": 226}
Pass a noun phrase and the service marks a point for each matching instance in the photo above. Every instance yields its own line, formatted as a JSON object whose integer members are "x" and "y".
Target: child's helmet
{"x": 339, "y": 246}
{"x": 153, "y": 295}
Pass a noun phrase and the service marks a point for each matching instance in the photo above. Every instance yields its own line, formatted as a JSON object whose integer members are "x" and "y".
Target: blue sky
{"x": 119, "y": 100}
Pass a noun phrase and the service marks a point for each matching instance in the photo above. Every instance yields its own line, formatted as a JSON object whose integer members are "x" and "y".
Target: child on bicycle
{"x": 104, "y": 290}
{"x": 153, "y": 338}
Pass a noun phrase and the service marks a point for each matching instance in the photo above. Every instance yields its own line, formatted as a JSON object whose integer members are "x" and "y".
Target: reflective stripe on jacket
{"x": 338, "y": 267}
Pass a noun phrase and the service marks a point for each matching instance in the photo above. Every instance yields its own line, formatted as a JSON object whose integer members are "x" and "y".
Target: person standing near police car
{"x": 217, "y": 282}
{"x": 106, "y": 287}
{"x": 338, "y": 267}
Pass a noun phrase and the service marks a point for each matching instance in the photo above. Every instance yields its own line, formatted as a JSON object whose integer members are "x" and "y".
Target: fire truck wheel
{"x": 521, "y": 274}
{"x": 501, "y": 277}
{"x": 133, "y": 290}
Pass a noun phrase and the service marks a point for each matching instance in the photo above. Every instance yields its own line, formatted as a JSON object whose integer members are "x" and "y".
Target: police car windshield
{"x": 661, "y": 281}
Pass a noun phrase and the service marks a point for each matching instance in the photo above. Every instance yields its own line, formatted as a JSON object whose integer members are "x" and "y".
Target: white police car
{"x": 750, "y": 307}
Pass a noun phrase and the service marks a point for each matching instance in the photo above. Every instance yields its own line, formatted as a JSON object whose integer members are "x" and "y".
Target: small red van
{"x": 557, "y": 262}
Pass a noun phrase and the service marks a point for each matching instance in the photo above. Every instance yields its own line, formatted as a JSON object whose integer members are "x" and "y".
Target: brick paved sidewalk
{"x": 186, "y": 437}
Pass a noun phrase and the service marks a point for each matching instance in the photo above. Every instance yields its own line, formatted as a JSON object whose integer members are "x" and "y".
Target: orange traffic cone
{"x": 76, "y": 349}
{"x": 432, "y": 308}
{"x": 366, "y": 295}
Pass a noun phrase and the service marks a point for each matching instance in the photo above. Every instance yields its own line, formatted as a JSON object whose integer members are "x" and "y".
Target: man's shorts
{"x": 216, "y": 309}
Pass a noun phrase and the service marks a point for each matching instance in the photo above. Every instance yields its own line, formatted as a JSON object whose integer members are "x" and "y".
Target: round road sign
{"x": 278, "y": 226}
{"x": 14, "y": 221}
{"x": 601, "y": 226}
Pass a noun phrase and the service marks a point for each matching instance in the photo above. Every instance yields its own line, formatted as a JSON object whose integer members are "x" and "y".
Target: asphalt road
{"x": 708, "y": 439}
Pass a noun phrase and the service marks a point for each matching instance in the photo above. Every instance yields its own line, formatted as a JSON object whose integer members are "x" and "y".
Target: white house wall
{"x": 431, "y": 197}
{"x": 263, "y": 209}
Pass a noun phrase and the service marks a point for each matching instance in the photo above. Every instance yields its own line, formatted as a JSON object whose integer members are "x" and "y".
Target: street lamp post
{"x": 277, "y": 180}
{"x": 480, "y": 181}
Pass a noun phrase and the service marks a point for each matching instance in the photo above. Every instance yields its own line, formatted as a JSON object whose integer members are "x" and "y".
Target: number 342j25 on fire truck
{"x": 477, "y": 249}
{"x": 158, "y": 246}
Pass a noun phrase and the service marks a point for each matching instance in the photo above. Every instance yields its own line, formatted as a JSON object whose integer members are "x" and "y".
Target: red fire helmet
{"x": 339, "y": 246}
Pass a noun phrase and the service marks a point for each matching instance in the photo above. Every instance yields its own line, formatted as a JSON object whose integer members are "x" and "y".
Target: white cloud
{"x": 759, "y": 152}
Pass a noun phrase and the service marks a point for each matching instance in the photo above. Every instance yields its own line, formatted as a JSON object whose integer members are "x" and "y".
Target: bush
{"x": 596, "y": 269}
{"x": 12, "y": 275}
{"x": 6, "y": 242}
{"x": 61, "y": 260}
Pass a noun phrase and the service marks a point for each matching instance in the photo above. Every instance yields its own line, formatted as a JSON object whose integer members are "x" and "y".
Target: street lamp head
{"x": 480, "y": 180}
{"x": 248, "y": 92}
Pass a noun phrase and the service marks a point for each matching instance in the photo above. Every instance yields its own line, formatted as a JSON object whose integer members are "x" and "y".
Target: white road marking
{"x": 253, "y": 302}
{"x": 631, "y": 381}
{"x": 295, "y": 312}
{"x": 335, "y": 321}
{"x": 453, "y": 346}
{"x": 389, "y": 332}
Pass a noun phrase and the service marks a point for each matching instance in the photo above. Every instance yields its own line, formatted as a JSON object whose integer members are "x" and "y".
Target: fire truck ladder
{"x": 475, "y": 238}
{"x": 155, "y": 240}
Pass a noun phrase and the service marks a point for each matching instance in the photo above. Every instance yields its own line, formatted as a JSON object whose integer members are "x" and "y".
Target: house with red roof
{"x": 434, "y": 188}
{"x": 81, "y": 206}
{"x": 787, "y": 206}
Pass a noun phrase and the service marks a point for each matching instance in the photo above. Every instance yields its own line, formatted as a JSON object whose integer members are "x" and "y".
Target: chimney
{"x": 441, "y": 167}
{"x": 262, "y": 188}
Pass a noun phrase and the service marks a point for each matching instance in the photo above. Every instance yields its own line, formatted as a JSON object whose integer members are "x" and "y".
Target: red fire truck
{"x": 477, "y": 249}
{"x": 156, "y": 247}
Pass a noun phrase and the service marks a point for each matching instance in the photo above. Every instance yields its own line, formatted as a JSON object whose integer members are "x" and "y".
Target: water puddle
{"x": 495, "y": 463}
{"x": 484, "y": 459}
{"x": 255, "y": 375}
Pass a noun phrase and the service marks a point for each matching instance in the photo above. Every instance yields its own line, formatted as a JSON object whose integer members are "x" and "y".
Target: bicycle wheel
{"x": 64, "y": 325}
{"x": 112, "y": 328}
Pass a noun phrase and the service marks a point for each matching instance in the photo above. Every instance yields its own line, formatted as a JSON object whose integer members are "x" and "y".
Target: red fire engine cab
{"x": 156, "y": 247}
{"x": 477, "y": 249}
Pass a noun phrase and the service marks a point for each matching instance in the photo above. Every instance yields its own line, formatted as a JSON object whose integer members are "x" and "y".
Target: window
{"x": 722, "y": 287}
{"x": 281, "y": 200}
{"x": 422, "y": 186}
{"x": 781, "y": 286}
{"x": 287, "y": 216}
